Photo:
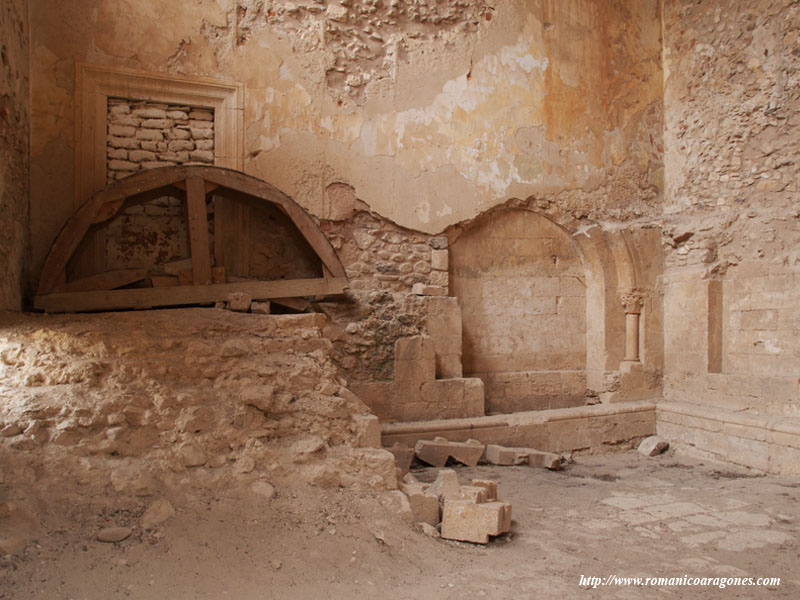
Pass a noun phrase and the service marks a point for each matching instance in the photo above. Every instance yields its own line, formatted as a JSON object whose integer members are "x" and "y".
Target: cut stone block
{"x": 468, "y": 522}
{"x": 446, "y": 485}
{"x": 500, "y": 455}
{"x": 239, "y": 302}
{"x": 653, "y": 446}
{"x": 424, "y": 506}
{"x": 436, "y": 452}
{"x": 474, "y": 493}
{"x": 260, "y": 308}
{"x": 491, "y": 488}
{"x": 403, "y": 455}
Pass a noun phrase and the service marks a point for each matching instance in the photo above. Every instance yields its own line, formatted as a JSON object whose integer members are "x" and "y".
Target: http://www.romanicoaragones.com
{"x": 590, "y": 581}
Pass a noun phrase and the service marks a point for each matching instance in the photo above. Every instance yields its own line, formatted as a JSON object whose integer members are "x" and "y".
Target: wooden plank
{"x": 197, "y": 294}
{"x": 218, "y": 275}
{"x": 198, "y": 230}
{"x": 164, "y": 281}
{"x": 302, "y": 220}
{"x": 242, "y": 247}
{"x": 107, "y": 281}
{"x": 185, "y": 277}
{"x": 176, "y": 266}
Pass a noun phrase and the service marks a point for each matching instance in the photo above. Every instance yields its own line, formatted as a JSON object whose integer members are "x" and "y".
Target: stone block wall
{"x": 732, "y": 231}
{"x": 521, "y": 286}
{"x": 14, "y": 151}
{"x": 146, "y": 135}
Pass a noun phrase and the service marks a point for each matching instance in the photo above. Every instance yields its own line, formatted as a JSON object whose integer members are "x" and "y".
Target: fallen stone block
{"x": 653, "y": 446}
{"x": 474, "y": 493}
{"x": 424, "y": 506}
{"x": 468, "y": 522}
{"x": 501, "y": 455}
{"x": 260, "y": 308}
{"x": 403, "y": 455}
{"x": 491, "y": 488}
{"x": 446, "y": 485}
{"x": 239, "y": 302}
{"x": 436, "y": 452}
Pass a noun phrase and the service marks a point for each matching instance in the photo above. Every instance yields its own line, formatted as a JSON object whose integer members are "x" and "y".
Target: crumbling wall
{"x": 732, "y": 223}
{"x": 384, "y": 263}
{"x": 14, "y": 150}
{"x": 431, "y": 112}
{"x": 522, "y": 290}
{"x": 131, "y": 395}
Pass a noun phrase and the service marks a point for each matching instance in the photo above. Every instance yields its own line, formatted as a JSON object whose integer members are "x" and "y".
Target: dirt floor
{"x": 621, "y": 515}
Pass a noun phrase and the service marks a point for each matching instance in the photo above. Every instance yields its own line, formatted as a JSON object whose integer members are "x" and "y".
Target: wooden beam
{"x": 107, "y": 281}
{"x": 198, "y": 230}
{"x": 176, "y": 296}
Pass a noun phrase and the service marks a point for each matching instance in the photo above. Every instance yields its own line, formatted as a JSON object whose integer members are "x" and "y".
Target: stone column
{"x": 632, "y": 302}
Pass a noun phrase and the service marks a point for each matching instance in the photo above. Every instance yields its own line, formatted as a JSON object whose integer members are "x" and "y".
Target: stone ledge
{"x": 558, "y": 430}
{"x": 765, "y": 443}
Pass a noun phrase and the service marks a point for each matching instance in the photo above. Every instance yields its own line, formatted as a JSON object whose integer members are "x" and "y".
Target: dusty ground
{"x": 612, "y": 514}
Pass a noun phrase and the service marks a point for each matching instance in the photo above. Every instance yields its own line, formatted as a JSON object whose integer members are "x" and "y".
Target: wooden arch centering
{"x": 96, "y": 292}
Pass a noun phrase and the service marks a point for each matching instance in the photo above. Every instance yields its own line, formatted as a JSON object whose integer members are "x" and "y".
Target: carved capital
{"x": 632, "y": 302}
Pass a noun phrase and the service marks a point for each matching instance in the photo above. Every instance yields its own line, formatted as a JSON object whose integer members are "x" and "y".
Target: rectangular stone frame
{"x": 95, "y": 85}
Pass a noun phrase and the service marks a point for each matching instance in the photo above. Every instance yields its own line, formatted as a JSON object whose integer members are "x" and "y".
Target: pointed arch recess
{"x": 195, "y": 182}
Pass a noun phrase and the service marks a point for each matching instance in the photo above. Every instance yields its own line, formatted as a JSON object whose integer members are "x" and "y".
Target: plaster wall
{"x": 432, "y": 113}
{"x": 732, "y": 219}
{"x": 14, "y": 146}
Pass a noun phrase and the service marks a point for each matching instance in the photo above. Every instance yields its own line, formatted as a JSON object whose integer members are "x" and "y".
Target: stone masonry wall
{"x": 391, "y": 270}
{"x": 732, "y": 224}
{"x": 14, "y": 151}
{"x": 146, "y": 135}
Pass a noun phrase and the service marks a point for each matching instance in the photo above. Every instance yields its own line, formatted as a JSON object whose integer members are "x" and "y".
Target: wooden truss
{"x": 97, "y": 292}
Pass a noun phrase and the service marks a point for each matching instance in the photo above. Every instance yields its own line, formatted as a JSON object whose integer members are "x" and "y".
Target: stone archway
{"x": 521, "y": 282}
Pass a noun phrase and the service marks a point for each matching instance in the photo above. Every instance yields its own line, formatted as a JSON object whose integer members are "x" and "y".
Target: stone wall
{"x": 732, "y": 224}
{"x": 432, "y": 113}
{"x": 14, "y": 151}
{"x": 521, "y": 286}
{"x": 147, "y": 135}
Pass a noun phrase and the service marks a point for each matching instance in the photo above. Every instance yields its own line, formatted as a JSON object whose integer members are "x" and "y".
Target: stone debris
{"x": 262, "y": 488}
{"x": 114, "y": 534}
{"x": 446, "y": 485}
{"x": 157, "y": 513}
{"x": 260, "y": 308}
{"x": 403, "y": 455}
{"x": 239, "y": 302}
{"x": 490, "y": 486}
{"x": 192, "y": 455}
{"x": 469, "y": 513}
{"x": 653, "y": 446}
{"x": 436, "y": 452}
{"x": 424, "y": 505}
{"x": 467, "y": 521}
{"x": 503, "y": 456}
